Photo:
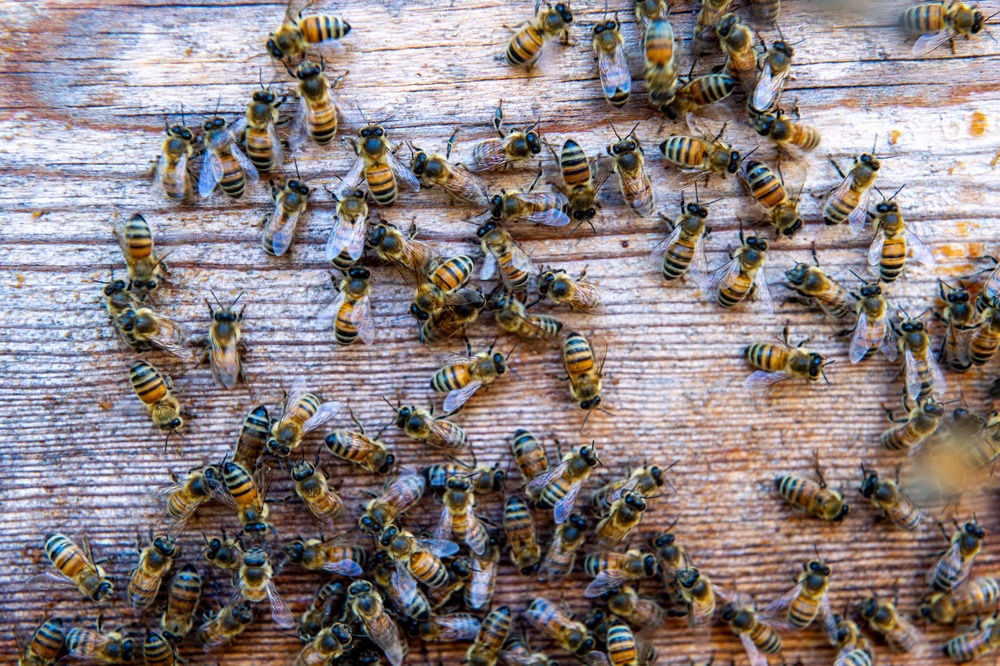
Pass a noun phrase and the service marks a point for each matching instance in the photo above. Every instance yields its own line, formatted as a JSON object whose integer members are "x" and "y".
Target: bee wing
{"x": 236, "y": 129}
{"x": 875, "y": 249}
{"x": 686, "y": 178}
{"x": 539, "y": 482}
{"x": 218, "y": 492}
{"x": 385, "y": 634}
{"x": 762, "y": 300}
{"x": 347, "y": 234}
{"x": 755, "y": 656}
{"x": 866, "y": 336}
{"x": 551, "y": 213}
{"x": 844, "y": 652}
{"x": 476, "y": 536}
{"x": 781, "y": 604}
{"x": 724, "y": 275}
{"x": 481, "y": 586}
{"x": 921, "y": 252}
{"x": 564, "y": 507}
{"x": 443, "y": 528}
{"x": 614, "y": 71}
{"x": 277, "y": 152}
{"x": 298, "y": 133}
{"x": 717, "y": 112}
{"x": 170, "y": 337}
{"x": 328, "y": 315}
{"x": 952, "y": 560}
{"x": 211, "y": 173}
{"x": 164, "y": 492}
{"x": 403, "y": 583}
{"x": 488, "y": 155}
{"x": 839, "y": 191}
{"x": 890, "y": 345}
{"x": 324, "y": 413}
{"x": 439, "y": 547}
{"x": 225, "y": 362}
{"x": 859, "y": 216}
{"x": 656, "y": 256}
{"x": 455, "y": 359}
{"x": 489, "y": 266}
{"x": 768, "y": 87}
{"x": 249, "y": 170}
{"x": 354, "y": 176}
{"x": 828, "y": 618}
{"x": 348, "y": 568}
{"x": 606, "y": 579}
{"x": 262, "y": 479}
{"x": 699, "y": 263}
{"x": 520, "y": 260}
{"x": 626, "y": 487}
{"x": 160, "y": 170}
{"x": 927, "y": 43}
{"x": 282, "y": 236}
{"x": 455, "y": 399}
{"x": 587, "y": 297}
{"x": 280, "y": 612}
{"x": 760, "y": 379}
{"x": 595, "y": 658}
{"x": 638, "y": 192}
{"x": 440, "y": 432}
{"x": 402, "y": 173}
{"x": 936, "y": 374}
{"x": 361, "y": 317}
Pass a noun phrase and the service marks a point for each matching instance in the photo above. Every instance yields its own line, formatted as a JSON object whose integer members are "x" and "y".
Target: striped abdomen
{"x": 678, "y": 258}
{"x": 525, "y": 46}
{"x": 323, "y": 27}
{"x": 305, "y": 408}
{"x": 574, "y": 165}
{"x": 453, "y": 273}
{"x": 797, "y": 491}
{"x": 174, "y": 187}
{"x": 736, "y": 292}
{"x": 156, "y": 651}
{"x": 658, "y": 46}
{"x": 182, "y": 600}
{"x": 519, "y": 527}
{"x": 982, "y": 451}
{"x": 923, "y": 371}
{"x": 765, "y": 638}
{"x": 925, "y": 18}
{"x": 147, "y": 382}
{"x": 514, "y": 278}
{"x": 540, "y": 327}
{"x": 138, "y": 238}
{"x": 578, "y": 355}
{"x": 805, "y": 137}
{"x": 970, "y": 646}
{"x": 553, "y": 492}
{"x": 954, "y": 346}
{"x": 233, "y": 181}
{"x": 710, "y": 89}
{"x": 321, "y": 116}
{"x": 352, "y": 446}
{"x": 904, "y": 436}
{"x": 838, "y": 209}
{"x": 621, "y": 645}
{"x": 893, "y": 258}
{"x": 46, "y": 643}
{"x": 381, "y": 183}
{"x": 93, "y": 645}
{"x": 451, "y": 378}
{"x": 529, "y": 454}
{"x": 343, "y": 261}
{"x": 856, "y": 657}
{"x": 240, "y": 484}
{"x": 905, "y": 514}
{"x": 345, "y": 331}
{"x": 492, "y": 633}
{"x": 803, "y": 611}
{"x": 182, "y": 503}
{"x": 979, "y": 597}
{"x": 428, "y": 569}
{"x": 259, "y": 148}
{"x": 763, "y": 185}
{"x": 984, "y": 343}
{"x": 685, "y": 151}
{"x": 767, "y": 356}
{"x": 766, "y": 11}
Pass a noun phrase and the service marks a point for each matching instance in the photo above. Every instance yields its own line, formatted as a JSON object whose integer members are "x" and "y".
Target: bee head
{"x": 869, "y": 160}
{"x": 342, "y": 633}
{"x": 757, "y": 243}
{"x": 457, "y": 483}
{"x": 166, "y": 546}
{"x": 545, "y": 281}
{"x": 180, "y": 132}
{"x": 978, "y": 20}
{"x": 275, "y": 448}
{"x": 418, "y": 314}
{"x": 500, "y": 362}
{"x": 870, "y": 290}
{"x": 529, "y": 570}
{"x": 589, "y": 455}
{"x": 578, "y": 521}
{"x": 593, "y": 403}
{"x": 498, "y": 478}
{"x": 869, "y": 607}
{"x": 243, "y": 613}
{"x": 818, "y": 567}
{"x": 369, "y": 525}
{"x": 486, "y": 228}
{"x": 104, "y": 590}
{"x": 390, "y": 460}
{"x": 302, "y": 471}
{"x": 214, "y": 124}
{"x": 726, "y": 24}
{"x": 636, "y": 501}
{"x": 586, "y": 645}
{"x": 734, "y": 162}
{"x": 649, "y": 565}
{"x": 956, "y": 295}
{"x": 887, "y": 207}
{"x": 298, "y": 186}
{"x": 419, "y": 163}
{"x": 912, "y": 326}
{"x": 114, "y": 287}
{"x": 567, "y": 16}
{"x": 272, "y": 48}
{"x": 264, "y": 96}
{"x": 783, "y": 47}
{"x": 128, "y": 650}
{"x": 973, "y": 529}
{"x": 387, "y": 535}
{"x": 295, "y": 550}
{"x": 869, "y": 483}
{"x": 663, "y": 540}
{"x": 763, "y": 123}
{"x": 496, "y": 205}
{"x": 307, "y": 70}
{"x": 359, "y": 587}
{"x": 255, "y": 557}
{"x": 256, "y": 528}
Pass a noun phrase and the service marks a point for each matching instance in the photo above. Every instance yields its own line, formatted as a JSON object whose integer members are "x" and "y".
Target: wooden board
{"x": 86, "y": 86}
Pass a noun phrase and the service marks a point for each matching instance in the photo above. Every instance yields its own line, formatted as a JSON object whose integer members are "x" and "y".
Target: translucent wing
{"x": 489, "y": 266}
{"x": 277, "y": 152}
{"x": 363, "y": 320}
{"x": 282, "y": 229}
{"x": 724, "y": 275}
{"x": 354, "y": 176}
{"x": 699, "y": 263}
{"x": 235, "y": 130}
{"x": 539, "y": 482}
{"x": 656, "y": 256}
{"x": 614, "y": 71}
{"x": 840, "y": 190}
{"x": 384, "y": 633}
{"x": 170, "y": 337}
{"x": 638, "y": 192}
{"x": 913, "y": 381}
{"x": 781, "y": 604}
{"x": 548, "y": 209}
{"x": 755, "y": 656}
{"x": 298, "y": 134}
{"x": 875, "y": 249}
{"x": 920, "y": 251}
{"x": 866, "y": 336}
{"x": 687, "y": 178}
{"x": 347, "y": 234}
{"x": 455, "y": 399}
{"x": 225, "y": 362}
{"x": 328, "y": 315}
{"x": 211, "y": 173}
{"x": 488, "y": 155}
{"x": 768, "y": 88}
{"x": 402, "y": 173}
{"x": 324, "y": 413}
{"x": 938, "y": 376}
{"x": 165, "y": 492}
{"x": 520, "y": 260}
{"x": 890, "y": 345}
{"x": 160, "y": 172}
{"x": 586, "y": 298}
{"x": 343, "y": 568}
{"x": 443, "y": 528}
{"x": 762, "y": 300}
{"x": 606, "y": 579}
{"x": 629, "y": 485}
{"x": 564, "y": 507}
{"x": 859, "y": 215}
{"x": 280, "y": 612}
{"x": 439, "y": 547}
{"x": 262, "y": 479}
{"x": 476, "y": 536}
{"x": 403, "y": 583}
{"x": 927, "y": 43}
{"x": 760, "y": 379}
{"x": 480, "y": 587}
{"x": 296, "y": 391}
{"x": 951, "y": 560}
{"x": 828, "y": 618}
{"x": 249, "y": 170}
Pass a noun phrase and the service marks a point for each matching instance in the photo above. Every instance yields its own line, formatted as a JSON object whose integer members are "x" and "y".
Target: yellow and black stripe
{"x": 182, "y": 601}
{"x": 323, "y": 27}
{"x": 240, "y": 484}
{"x": 893, "y": 258}
{"x": 259, "y": 148}
{"x": 453, "y": 273}
{"x": 709, "y": 89}
{"x": 157, "y": 651}
{"x": 986, "y": 340}
{"x": 765, "y": 638}
{"x": 684, "y": 151}
{"x": 525, "y": 46}
{"x": 574, "y": 165}
{"x": 578, "y": 355}
{"x": 46, "y": 642}
{"x": 925, "y": 18}
{"x": 233, "y": 181}
{"x": 381, "y": 183}
{"x": 428, "y": 569}
{"x": 345, "y": 330}
{"x": 138, "y": 238}
{"x": 451, "y": 378}
{"x": 766, "y": 356}
{"x": 147, "y": 382}
{"x": 323, "y": 115}
{"x": 764, "y": 185}
{"x": 621, "y": 644}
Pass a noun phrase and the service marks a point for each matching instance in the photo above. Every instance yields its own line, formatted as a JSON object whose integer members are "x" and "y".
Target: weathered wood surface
{"x": 85, "y": 86}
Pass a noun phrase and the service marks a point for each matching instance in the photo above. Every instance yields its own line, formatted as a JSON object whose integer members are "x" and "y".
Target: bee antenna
{"x": 863, "y": 281}
{"x": 712, "y": 202}
{"x": 695, "y": 195}
{"x": 585, "y": 419}
{"x": 216, "y": 298}
{"x": 614, "y": 130}
{"x": 296, "y": 163}
{"x": 635, "y": 127}
{"x": 260, "y": 77}
{"x": 217, "y": 103}
{"x": 238, "y": 297}
{"x": 875, "y": 143}
{"x": 358, "y": 105}
{"x": 395, "y": 409}
{"x": 897, "y": 192}
{"x": 183, "y": 122}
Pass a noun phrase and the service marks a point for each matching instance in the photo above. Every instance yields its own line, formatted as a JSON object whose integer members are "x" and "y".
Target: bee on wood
{"x": 479, "y": 589}
{"x": 522, "y": 536}
{"x": 922, "y": 423}
{"x": 512, "y": 147}
{"x": 584, "y": 371}
{"x": 706, "y": 37}
{"x": 516, "y": 652}
{"x": 612, "y": 62}
{"x": 698, "y": 594}
{"x": 365, "y": 604}
{"x": 360, "y": 450}
{"x": 512, "y": 316}
{"x": 792, "y": 136}
{"x": 302, "y": 413}
{"x": 535, "y": 207}
{"x": 491, "y": 636}
{"x": 398, "y": 496}
{"x": 626, "y": 513}
{"x": 330, "y": 556}
{"x": 766, "y": 11}
{"x": 886, "y": 495}
{"x": 893, "y": 239}
{"x": 645, "y": 480}
{"x": 985, "y": 338}
{"x": 661, "y": 58}
{"x": 290, "y": 202}
{"x": 224, "y": 164}
{"x": 154, "y": 563}
{"x": 153, "y": 389}
{"x": 853, "y": 648}
{"x": 110, "y": 647}
{"x": 923, "y": 376}
{"x": 989, "y": 290}
{"x": 222, "y": 627}
{"x": 448, "y": 628}
{"x": 376, "y": 163}
{"x": 624, "y": 648}
{"x": 172, "y": 172}
{"x": 671, "y": 559}
{"x": 941, "y": 22}
{"x": 46, "y": 642}
{"x": 529, "y": 455}
{"x": 185, "y": 495}
{"x": 324, "y": 608}
{"x": 873, "y": 330}
{"x": 758, "y": 637}
{"x": 483, "y": 478}
{"x": 312, "y": 488}
{"x": 459, "y": 575}
{"x": 885, "y": 619}
{"x": 561, "y": 555}
{"x": 404, "y": 251}
{"x": 561, "y": 289}
{"x": 978, "y": 642}
{"x": 557, "y": 487}
{"x": 549, "y": 619}
{"x": 579, "y": 181}
{"x": 330, "y": 643}
{"x": 461, "y": 376}
{"x": 145, "y": 268}
{"x": 144, "y": 328}
{"x": 455, "y": 179}
{"x": 611, "y": 569}
{"x": 501, "y": 252}
{"x": 736, "y": 40}
{"x": 346, "y": 242}
{"x": 245, "y": 494}
{"x": 776, "y": 362}
{"x": 350, "y": 313}
{"x": 629, "y": 164}
{"x": 316, "y": 114}
{"x": 650, "y": 10}
{"x": 225, "y": 345}
{"x": 697, "y": 157}
{"x": 775, "y": 67}
{"x": 684, "y": 248}
{"x": 156, "y": 651}
{"x": 742, "y": 278}
{"x": 817, "y": 288}
{"x": 640, "y": 612}
{"x": 258, "y": 127}
{"x": 289, "y": 41}
{"x": 420, "y": 424}
{"x": 442, "y": 285}
{"x": 849, "y": 201}
{"x": 449, "y": 322}
{"x": 526, "y": 45}
{"x": 701, "y": 96}
{"x": 952, "y": 570}
{"x": 183, "y": 597}
{"x": 977, "y": 598}
{"x": 808, "y": 600}
{"x": 415, "y": 559}
{"x": 458, "y": 517}
{"x": 816, "y": 499}
{"x": 769, "y": 191}
{"x": 226, "y": 553}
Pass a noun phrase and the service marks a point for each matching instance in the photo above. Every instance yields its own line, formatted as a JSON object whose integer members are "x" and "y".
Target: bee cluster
{"x": 390, "y": 581}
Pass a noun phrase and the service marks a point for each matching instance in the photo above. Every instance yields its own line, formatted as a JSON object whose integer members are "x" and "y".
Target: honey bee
{"x": 447, "y": 628}
{"x": 351, "y": 311}
{"x": 415, "y": 559}
{"x": 584, "y": 372}
{"x": 481, "y": 585}
{"x": 611, "y": 569}
{"x": 626, "y": 513}
{"x": 462, "y": 376}
{"x": 361, "y": 450}
{"x": 650, "y": 10}
{"x": 697, "y": 157}
{"x": 808, "y": 600}
{"x": 346, "y": 242}
{"x": 671, "y": 559}
{"x": 776, "y": 362}
{"x": 512, "y": 147}
{"x": 940, "y": 22}
{"x": 816, "y": 499}
{"x": 736, "y": 40}
{"x": 391, "y": 245}
{"x": 224, "y": 164}
{"x": 570, "y": 634}
{"x": 640, "y": 612}
{"x": 699, "y": 596}
{"x": 529, "y": 455}
{"x": 325, "y": 606}
{"x": 226, "y": 553}
{"x": 290, "y": 202}
{"x": 766, "y": 11}
{"x": 398, "y": 496}
{"x": 629, "y": 164}
{"x": 982, "y": 640}
{"x": 330, "y": 643}
{"x": 258, "y": 123}
{"x": 482, "y": 478}
{"x": 982, "y": 450}
{"x": 561, "y": 555}
{"x": 316, "y": 114}
{"x": 172, "y": 172}
{"x": 144, "y": 327}
{"x": 758, "y": 637}
{"x": 512, "y": 316}
{"x": 890, "y": 498}
{"x": 245, "y": 494}
{"x": 296, "y": 31}
{"x": 625, "y": 648}
{"x": 502, "y": 252}
{"x": 794, "y": 137}
{"x": 557, "y": 487}
{"x": 661, "y": 57}
{"x": 255, "y": 583}
{"x": 923, "y": 376}
{"x": 578, "y": 182}
{"x": 312, "y": 488}
{"x": 612, "y": 62}
{"x": 224, "y": 337}
{"x": 491, "y": 637}
{"x": 154, "y": 562}
{"x": 989, "y": 291}
{"x": 331, "y": 556}
{"x": 153, "y": 389}
{"x": 769, "y": 191}
{"x": 522, "y": 535}
{"x": 701, "y": 96}
{"x": 302, "y": 413}
{"x": 184, "y": 496}
{"x": 383, "y": 569}
{"x": 884, "y": 619}
{"x": 706, "y": 36}
{"x": 922, "y": 422}
{"x": 978, "y": 598}
{"x": 535, "y": 207}
{"x": 46, "y": 643}
{"x": 985, "y": 338}
{"x": 443, "y": 285}
{"x": 366, "y": 605}
{"x": 684, "y": 248}
{"x": 420, "y": 424}
{"x": 952, "y": 570}
{"x": 515, "y": 652}
{"x": 459, "y": 573}
{"x": 775, "y": 67}
{"x": 850, "y": 200}
{"x": 742, "y": 278}
{"x": 156, "y": 651}
{"x": 561, "y": 289}
{"x": 455, "y": 179}
{"x": 110, "y": 647}
{"x": 892, "y": 240}
{"x": 225, "y": 625}
{"x": 526, "y": 45}
{"x": 817, "y": 288}
{"x": 378, "y": 165}
{"x": 446, "y": 323}
{"x": 458, "y": 517}
{"x": 854, "y": 649}
{"x": 145, "y": 268}
{"x": 873, "y": 330}
{"x": 183, "y": 597}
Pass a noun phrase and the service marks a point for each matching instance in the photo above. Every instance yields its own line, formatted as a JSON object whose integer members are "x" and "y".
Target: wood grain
{"x": 86, "y": 86}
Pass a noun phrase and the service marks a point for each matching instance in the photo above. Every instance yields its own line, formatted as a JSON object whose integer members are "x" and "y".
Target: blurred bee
{"x": 420, "y": 424}
{"x": 351, "y": 311}
{"x": 183, "y": 597}
{"x": 224, "y": 164}
{"x": 378, "y": 165}
{"x": 326, "y": 605}
{"x": 331, "y": 556}
{"x": 629, "y": 164}
{"x": 775, "y": 67}
{"x": 989, "y": 291}
{"x": 290, "y": 202}
{"x": 258, "y": 123}
{"x": 982, "y": 640}
{"x": 561, "y": 289}
{"x": 529, "y": 455}
{"x": 794, "y": 137}
{"x": 923, "y": 376}
{"x": 483, "y": 479}
{"x": 808, "y": 600}
{"x": 578, "y": 182}
{"x": 346, "y": 242}
{"x": 455, "y": 179}
{"x": 224, "y": 354}
{"x": 817, "y": 288}
{"x": 873, "y": 330}
{"x": 312, "y": 488}
{"x": 557, "y": 487}
{"x": 512, "y": 316}
{"x": 442, "y": 285}
{"x": 952, "y": 570}
{"x": 515, "y": 652}
{"x": 153, "y": 389}
{"x": 526, "y": 45}
{"x": 922, "y": 423}
{"x": 302, "y": 413}
{"x": 671, "y": 559}
{"x": 940, "y": 22}
{"x": 154, "y": 562}
{"x": 366, "y": 605}
{"x": 328, "y": 644}
{"x": 584, "y": 372}
{"x": 492, "y": 634}
{"x": 982, "y": 450}
{"x": 766, "y": 11}
{"x": 769, "y": 191}
{"x": 706, "y": 36}
{"x": 225, "y": 625}
{"x": 289, "y": 41}
{"x": 779, "y": 361}
{"x": 890, "y": 498}
{"x": 156, "y": 651}
{"x": 661, "y": 57}
{"x": 398, "y": 496}
{"x": 245, "y": 494}
{"x": 853, "y": 648}
{"x": 892, "y": 240}
{"x": 145, "y": 268}
{"x": 117, "y": 301}
{"x": 459, "y": 574}
{"x": 461, "y": 376}
{"x": 978, "y": 598}
{"x": 736, "y": 40}
{"x": 570, "y": 634}
{"x": 883, "y": 618}
{"x": 446, "y": 323}
{"x": 184, "y": 496}
{"x": 612, "y": 62}
{"x": 985, "y": 338}
{"x": 514, "y": 146}
{"x": 611, "y": 569}
{"x": 144, "y": 327}
{"x": 226, "y": 553}
{"x": 627, "y": 649}
{"x": 360, "y": 450}
{"x": 561, "y": 555}
{"x": 850, "y": 200}
{"x": 458, "y": 517}
{"x": 645, "y": 480}
{"x": 640, "y": 612}
{"x": 701, "y": 96}
{"x": 647, "y": 11}
{"x": 46, "y": 643}
{"x": 110, "y": 647}
{"x": 596, "y": 621}
{"x": 699, "y": 596}
{"x": 405, "y": 252}
{"x": 416, "y": 559}
{"x": 626, "y": 513}
{"x": 502, "y": 252}
{"x": 757, "y": 636}
{"x": 448, "y": 628}
{"x": 743, "y": 278}
{"x": 522, "y": 536}
{"x": 479, "y": 589}
{"x": 172, "y": 171}
{"x": 816, "y": 499}
{"x": 316, "y": 114}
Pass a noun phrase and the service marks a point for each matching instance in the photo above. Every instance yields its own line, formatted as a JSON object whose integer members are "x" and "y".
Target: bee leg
{"x": 498, "y": 118}
{"x": 837, "y": 167}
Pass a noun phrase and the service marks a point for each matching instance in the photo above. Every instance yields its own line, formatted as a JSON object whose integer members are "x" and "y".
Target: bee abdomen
{"x": 765, "y": 187}
{"x": 453, "y": 273}
{"x": 343, "y": 261}
{"x": 259, "y": 149}
{"x": 859, "y": 657}
{"x": 574, "y": 165}
{"x": 345, "y": 331}
{"x": 578, "y": 356}
{"x": 138, "y": 237}
{"x": 382, "y": 184}
{"x": 621, "y": 645}
{"x": 983, "y": 346}
{"x": 323, "y": 125}
{"x": 320, "y": 28}
{"x": 677, "y": 260}
{"x": 525, "y": 46}
{"x": 766, "y": 11}
{"x": 906, "y": 516}
{"x": 925, "y": 18}
{"x": 806, "y": 137}
{"x": 64, "y": 554}
{"x": 802, "y": 612}
{"x": 450, "y": 378}
{"x": 736, "y": 293}
{"x": 799, "y": 492}
{"x": 838, "y": 209}
{"x": 766, "y": 356}
{"x": 712, "y": 88}
{"x": 547, "y": 327}
{"x": 893, "y": 259}
{"x": 684, "y": 150}
{"x": 48, "y": 639}
{"x": 902, "y": 437}
{"x": 428, "y": 569}
{"x": 233, "y": 181}
{"x": 967, "y": 647}
{"x": 766, "y": 639}
{"x": 147, "y": 382}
